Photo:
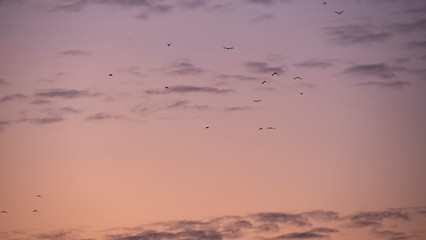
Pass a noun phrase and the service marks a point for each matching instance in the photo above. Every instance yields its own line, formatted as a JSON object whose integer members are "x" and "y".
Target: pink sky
{"x": 123, "y": 157}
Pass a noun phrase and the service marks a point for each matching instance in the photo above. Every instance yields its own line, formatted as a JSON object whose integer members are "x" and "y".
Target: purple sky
{"x": 340, "y": 153}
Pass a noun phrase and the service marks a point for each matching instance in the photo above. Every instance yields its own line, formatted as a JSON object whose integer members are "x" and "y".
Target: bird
{"x": 168, "y": 44}
{"x": 275, "y": 73}
{"x": 110, "y": 74}
{"x": 260, "y": 129}
{"x": 297, "y": 78}
{"x": 301, "y": 93}
{"x": 324, "y": 3}
{"x": 263, "y": 82}
{"x": 35, "y": 211}
{"x": 271, "y": 128}
{"x": 5, "y": 212}
{"x": 257, "y": 100}
{"x": 166, "y": 87}
{"x": 207, "y": 127}
{"x": 339, "y": 12}
{"x": 228, "y": 48}
{"x": 38, "y": 195}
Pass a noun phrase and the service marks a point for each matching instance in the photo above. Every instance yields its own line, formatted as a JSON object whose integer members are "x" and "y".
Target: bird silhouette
{"x": 110, "y": 74}
{"x": 297, "y": 78}
{"x": 260, "y": 129}
{"x": 35, "y": 211}
{"x": 263, "y": 82}
{"x": 257, "y": 100}
{"x": 271, "y": 128}
{"x": 228, "y": 48}
{"x": 339, "y": 12}
{"x": 4, "y": 212}
{"x": 38, "y": 195}
{"x": 168, "y": 44}
{"x": 166, "y": 87}
{"x": 207, "y": 127}
{"x": 301, "y": 93}
{"x": 324, "y": 3}
{"x": 275, "y": 73}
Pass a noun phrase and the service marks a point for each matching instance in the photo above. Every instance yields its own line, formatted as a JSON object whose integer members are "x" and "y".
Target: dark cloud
{"x": 421, "y": 10}
{"x": 393, "y": 235}
{"x": 314, "y": 64}
{"x": 269, "y": 227}
{"x": 324, "y": 230}
{"x": 262, "y": 67}
{"x": 102, "y": 116}
{"x": 414, "y": 26}
{"x": 186, "y": 105}
{"x": 4, "y": 82}
{"x": 274, "y": 217}
{"x": 69, "y": 110}
{"x": 13, "y": 97}
{"x": 75, "y": 53}
{"x": 263, "y": 17}
{"x": 40, "y": 101}
{"x": 45, "y": 120}
{"x": 417, "y": 44}
{"x": 300, "y": 235}
{"x": 380, "y": 70}
{"x": 158, "y": 235}
{"x": 66, "y": 93}
{"x": 155, "y": 9}
{"x": 71, "y": 7}
{"x": 322, "y": 215}
{"x": 189, "y": 89}
{"x": 389, "y": 84}
{"x": 356, "y": 34}
{"x": 381, "y": 215}
{"x": 192, "y": 4}
{"x": 184, "y": 67}
{"x": 237, "y": 77}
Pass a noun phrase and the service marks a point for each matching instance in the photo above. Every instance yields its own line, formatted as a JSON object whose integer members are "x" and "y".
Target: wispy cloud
{"x": 189, "y": 89}
{"x": 314, "y": 64}
{"x": 184, "y": 67}
{"x": 45, "y": 120}
{"x": 263, "y": 17}
{"x": 185, "y": 105}
{"x": 263, "y": 67}
{"x": 75, "y": 53}
{"x": 102, "y": 116}
{"x": 4, "y": 82}
{"x": 266, "y": 2}
{"x": 388, "y": 84}
{"x": 417, "y": 44}
{"x": 237, "y": 77}
{"x": 356, "y": 34}
{"x": 13, "y": 97}
{"x": 66, "y": 93}
{"x": 40, "y": 101}
{"x": 413, "y": 26}
{"x": 379, "y": 70}
{"x": 235, "y": 109}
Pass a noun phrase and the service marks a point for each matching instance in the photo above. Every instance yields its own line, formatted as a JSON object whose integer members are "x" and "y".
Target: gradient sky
{"x": 122, "y": 157}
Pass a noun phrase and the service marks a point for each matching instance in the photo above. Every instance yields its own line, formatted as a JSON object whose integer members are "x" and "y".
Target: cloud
{"x": 421, "y": 10}
{"x": 13, "y": 97}
{"x": 393, "y": 235}
{"x": 75, "y": 53}
{"x": 380, "y": 70}
{"x": 262, "y": 67}
{"x": 356, "y": 34}
{"x": 300, "y": 235}
{"x": 375, "y": 218}
{"x": 416, "y": 44}
{"x": 4, "y": 123}
{"x": 237, "y": 77}
{"x": 135, "y": 71}
{"x": 71, "y": 7}
{"x": 314, "y": 64}
{"x": 186, "y": 105}
{"x": 234, "y": 109}
{"x": 102, "y": 116}
{"x": 418, "y": 25}
{"x": 274, "y": 217}
{"x": 184, "y": 67}
{"x": 263, "y": 17}
{"x": 322, "y": 215}
{"x": 192, "y": 4}
{"x": 189, "y": 89}
{"x": 266, "y": 2}
{"x": 4, "y": 82}
{"x": 66, "y": 93}
{"x": 40, "y": 101}
{"x": 391, "y": 84}
{"x": 45, "y": 120}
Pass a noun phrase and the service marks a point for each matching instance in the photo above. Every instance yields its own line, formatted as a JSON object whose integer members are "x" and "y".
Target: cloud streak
{"x": 66, "y": 93}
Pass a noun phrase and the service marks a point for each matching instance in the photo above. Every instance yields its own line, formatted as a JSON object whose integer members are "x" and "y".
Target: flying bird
{"x": 35, "y": 211}
{"x": 275, "y": 73}
{"x": 166, "y": 87}
{"x": 301, "y": 93}
{"x": 110, "y": 74}
{"x": 260, "y": 129}
{"x": 4, "y": 212}
{"x": 207, "y": 127}
{"x": 324, "y": 3}
{"x": 168, "y": 44}
{"x": 339, "y": 12}
{"x": 228, "y": 48}
{"x": 297, "y": 78}
{"x": 263, "y": 82}
{"x": 38, "y": 195}
{"x": 272, "y": 128}
{"x": 257, "y": 100}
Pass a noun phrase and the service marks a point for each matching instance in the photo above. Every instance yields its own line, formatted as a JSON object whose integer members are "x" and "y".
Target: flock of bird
{"x": 207, "y": 127}
{"x": 34, "y": 211}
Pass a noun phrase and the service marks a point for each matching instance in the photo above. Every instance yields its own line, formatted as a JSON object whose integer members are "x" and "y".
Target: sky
{"x": 164, "y": 120}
